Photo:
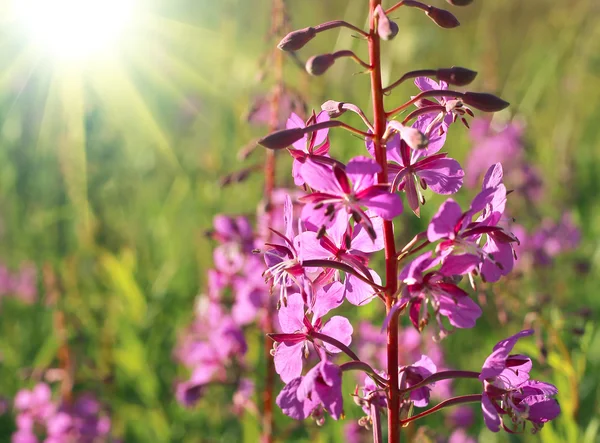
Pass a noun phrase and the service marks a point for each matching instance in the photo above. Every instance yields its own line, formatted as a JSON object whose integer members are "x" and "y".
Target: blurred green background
{"x": 110, "y": 168}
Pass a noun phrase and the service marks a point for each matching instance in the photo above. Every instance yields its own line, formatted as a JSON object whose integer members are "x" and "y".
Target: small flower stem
{"x": 333, "y": 342}
{"x": 473, "y": 398}
{"x": 353, "y": 56}
{"x": 339, "y": 24}
{"x": 422, "y": 95}
{"x": 376, "y": 418}
{"x": 362, "y": 366}
{"x": 439, "y": 376}
{"x": 408, "y": 76}
{"x": 393, "y": 8}
{"x": 379, "y": 126}
{"x": 335, "y": 124}
{"x": 424, "y": 110}
{"x": 341, "y": 267}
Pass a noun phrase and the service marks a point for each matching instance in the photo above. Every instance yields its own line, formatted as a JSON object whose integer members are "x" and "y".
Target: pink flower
{"x": 320, "y": 388}
{"x": 292, "y": 343}
{"x": 509, "y": 391}
{"x": 350, "y": 191}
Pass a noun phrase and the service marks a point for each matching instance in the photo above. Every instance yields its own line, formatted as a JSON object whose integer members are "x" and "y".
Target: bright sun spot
{"x": 75, "y": 29}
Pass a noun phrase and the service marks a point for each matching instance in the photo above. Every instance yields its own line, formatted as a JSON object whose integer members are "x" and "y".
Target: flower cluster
{"x": 40, "y": 418}
{"x": 323, "y": 257}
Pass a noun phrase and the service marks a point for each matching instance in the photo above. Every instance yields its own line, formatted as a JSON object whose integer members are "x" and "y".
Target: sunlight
{"x": 75, "y": 29}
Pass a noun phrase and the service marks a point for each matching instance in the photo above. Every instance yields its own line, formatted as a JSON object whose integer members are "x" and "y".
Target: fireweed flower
{"x": 283, "y": 264}
{"x": 350, "y": 191}
{"x": 314, "y": 145}
{"x": 292, "y": 343}
{"x": 38, "y": 414}
{"x": 320, "y": 388}
{"x": 453, "y": 108}
{"x": 208, "y": 348}
{"x": 237, "y": 241}
{"x": 415, "y": 374}
{"x": 508, "y": 391}
{"x": 438, "y": 291}
{"x": 349, "y": 244}
{"x": 413, "y": 170}
{"x": 461, "y": 237}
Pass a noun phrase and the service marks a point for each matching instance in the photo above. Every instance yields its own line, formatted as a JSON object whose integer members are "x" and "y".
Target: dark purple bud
{"x": 484, "y": 102}
{"x": 333, "y": 109}
{"x": 318, "y": 64}
{"x": 460, "y": 2}
{"x": 443, "y": 18}
{"x": 281, "y": 139}
{"x": 456, "y": 75}
{"x": 296, "y": 40}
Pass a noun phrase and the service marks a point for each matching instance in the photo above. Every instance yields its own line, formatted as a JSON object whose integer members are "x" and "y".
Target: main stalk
{"x": 277, "y": 20}
{"x": 391, "y": 277}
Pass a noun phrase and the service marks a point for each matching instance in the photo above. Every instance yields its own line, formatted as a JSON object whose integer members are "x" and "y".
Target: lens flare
{"x": 75, "y": 29}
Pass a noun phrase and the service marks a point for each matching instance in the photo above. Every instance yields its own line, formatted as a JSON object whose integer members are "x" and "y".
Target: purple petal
{"x": 462, "y": 312}
{"x": 426, "y": 84}
{"x": 288, "y": 360}
{"x": 310, "y": 247}
{"x": 503, "y": 255}
{"x": 328, "y": 298}
{"x": 490, "y": 414}
{"x": 413, "y": 272}
{"x": 358, "y": 292}
{"x": 361, "y": 240}
{"x": 291, "y": 316}
{"x": 384, "y": 204}
{"x": 443, "y": 176}
{"x": 320, "y": 178}
{"x": 362, "y": 171}
{"x": 288, "y": 401}
{"x": 459, "y": 264}
{"x": 339, "y": 328}
{"x": 444, "y": 221}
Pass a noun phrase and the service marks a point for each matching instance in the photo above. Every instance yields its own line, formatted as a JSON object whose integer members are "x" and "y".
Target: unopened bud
{"x": 442, "y": 18}
{"x": 333, "y": 109}
{"x": 296, "y": 40}
{"x": 484, "y": 102}
{"x": 281, "y": 139}
{"x": 414, "y": 138}
{"x": 460, "y": 2}
{"x": 456, "y": 75}
{"x": 386, "y": 28}
{"x": 318, "y": 64}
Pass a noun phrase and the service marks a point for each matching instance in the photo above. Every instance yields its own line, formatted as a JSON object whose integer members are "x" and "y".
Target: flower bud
{"x": 333, "y": 109}
{"x": 460, "y": 2}
{"x": 414, "y": 138}
{"x": 456, "y": 75}
{"x": 318, "y": 64}
{"x": 442, "y": 18}
{"x": 484, "y": 102}
{"x": 296, "y": 40}
{"x": 281, "y": 139}
{"x": 387, "y": 29}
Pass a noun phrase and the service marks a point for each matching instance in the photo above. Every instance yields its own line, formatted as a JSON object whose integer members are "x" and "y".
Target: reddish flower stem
{"x": 277, "y": 22}
{"x": 473, "y": 398}
{"x": 422, "y": 95}
{"x": 391, "y": 286}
